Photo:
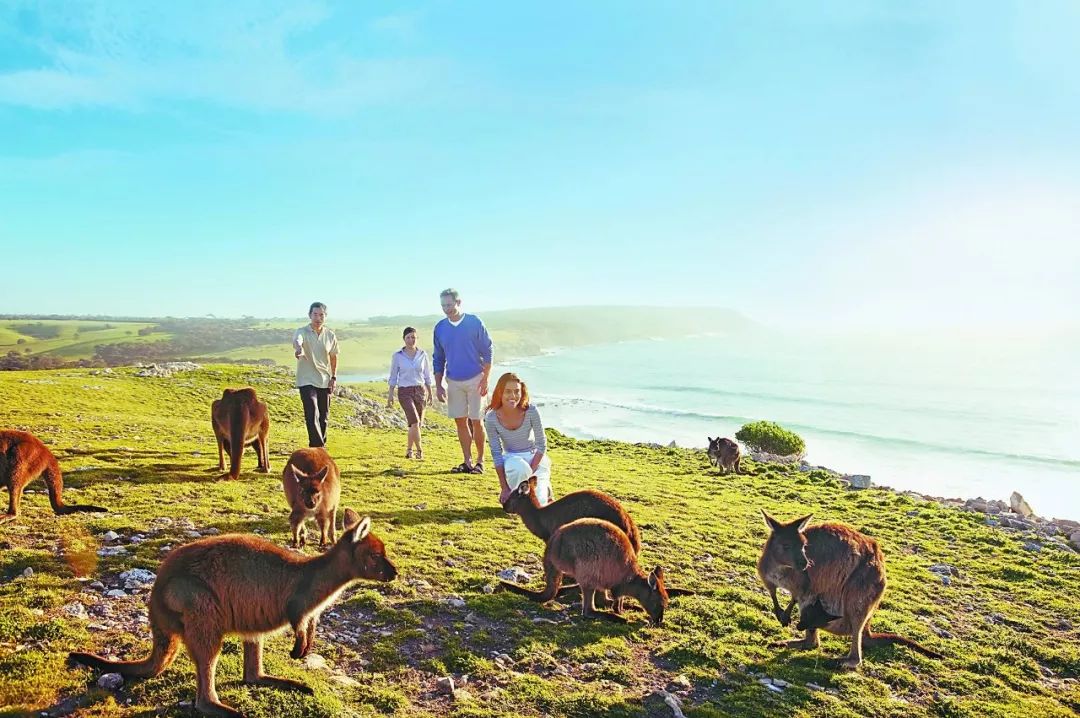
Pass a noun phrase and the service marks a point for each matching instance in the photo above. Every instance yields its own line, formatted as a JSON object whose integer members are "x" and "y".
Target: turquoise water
{"x": 954, "y": 418}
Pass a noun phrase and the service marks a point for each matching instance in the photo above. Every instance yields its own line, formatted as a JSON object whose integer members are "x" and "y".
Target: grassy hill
{"x": 365, "y": 346}
{"x": 143, "y": 447}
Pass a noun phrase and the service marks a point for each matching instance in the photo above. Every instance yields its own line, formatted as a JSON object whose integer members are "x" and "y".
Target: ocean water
{"x": 953, "y": 417}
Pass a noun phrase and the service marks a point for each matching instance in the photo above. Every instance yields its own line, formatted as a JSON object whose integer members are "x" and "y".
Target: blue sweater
{"x": 461, "y": 351}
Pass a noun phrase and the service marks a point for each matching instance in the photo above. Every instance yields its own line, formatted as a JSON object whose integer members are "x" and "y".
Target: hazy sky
{"x": 857, "y": 162}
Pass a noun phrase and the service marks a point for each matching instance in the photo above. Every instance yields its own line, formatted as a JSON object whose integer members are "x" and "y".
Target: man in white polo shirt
{"x": 316, "y": 349}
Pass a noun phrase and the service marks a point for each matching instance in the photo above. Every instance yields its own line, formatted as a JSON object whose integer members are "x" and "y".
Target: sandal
{"x": 478, "y": 469}
{"x": 408, "y": 454}
{"x": 462, "y": 468}
{"x": 419, "y": 454}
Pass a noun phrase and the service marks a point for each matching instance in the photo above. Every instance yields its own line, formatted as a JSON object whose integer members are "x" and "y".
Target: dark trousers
{"x": 316, "y": 411}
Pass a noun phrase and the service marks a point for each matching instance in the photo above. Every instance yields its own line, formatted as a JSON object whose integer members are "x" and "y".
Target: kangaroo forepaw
{"x": 783, "y": 616}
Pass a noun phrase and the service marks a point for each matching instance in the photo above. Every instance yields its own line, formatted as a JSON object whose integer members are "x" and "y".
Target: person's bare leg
{"x": 479, "y": 438}
{"x": 464, "y": 438}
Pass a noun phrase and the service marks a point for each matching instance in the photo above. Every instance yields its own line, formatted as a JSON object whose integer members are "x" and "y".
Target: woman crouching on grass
{"x": 516, "y": 437}
{"x": 410, "y": 372}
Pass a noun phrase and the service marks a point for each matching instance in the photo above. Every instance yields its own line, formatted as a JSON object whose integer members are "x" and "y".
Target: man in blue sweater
{"x": 462, "y": 352}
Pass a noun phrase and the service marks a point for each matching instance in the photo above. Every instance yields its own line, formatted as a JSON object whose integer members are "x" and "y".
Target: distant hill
{"x": 49, "y": 342}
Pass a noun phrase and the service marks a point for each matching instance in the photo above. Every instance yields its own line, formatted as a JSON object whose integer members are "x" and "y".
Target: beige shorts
{"x": 463, "y": 398}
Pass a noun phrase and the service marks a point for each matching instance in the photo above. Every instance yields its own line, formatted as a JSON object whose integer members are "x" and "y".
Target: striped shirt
{"x": 503, "y": 440}
{"x": 415, "y": 371}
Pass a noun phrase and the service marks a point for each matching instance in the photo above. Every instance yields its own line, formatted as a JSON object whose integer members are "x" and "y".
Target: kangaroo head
{"x": 311, "y": 486}
{"x": 366, "y": 552}
{"x": 654, "y": 600}
{"x": 523, "y": 495}
{"x": 787, "y": 543}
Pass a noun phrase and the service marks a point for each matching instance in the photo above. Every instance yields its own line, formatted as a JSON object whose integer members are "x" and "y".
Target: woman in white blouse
{"x": 410, "y": 373}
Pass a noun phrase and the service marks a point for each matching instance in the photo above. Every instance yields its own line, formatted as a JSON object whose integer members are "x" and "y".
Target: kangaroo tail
{"x": 165, "y": 647}
{"x": 237, "y": 422}
{"x": 54, "y": 482}
{"x": 885, "y": 639}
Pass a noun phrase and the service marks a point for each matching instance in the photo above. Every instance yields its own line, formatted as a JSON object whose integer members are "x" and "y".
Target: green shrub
{"x": 771, "y": 437}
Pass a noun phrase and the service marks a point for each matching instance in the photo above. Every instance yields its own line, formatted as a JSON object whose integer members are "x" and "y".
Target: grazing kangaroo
{"x": 239, "y": 419}
{"x": 836, "y": 566}
{"x": 23, "y": 458}
{"x": 724, "y": 454}
{"x": 246, "y": 585}
{"x": 312, "y": 486}
{"x": 599, "y": 554}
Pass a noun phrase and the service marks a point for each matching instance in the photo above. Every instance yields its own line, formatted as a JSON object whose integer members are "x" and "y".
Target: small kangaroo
{"x": 239, "y": 419}
{"x": 599, "y": 554}
{"x": 239, "y": 584}
{"x": 312, "y": 486}
{"x": 814, "y": 616}
{"x": 835, "y": 566}
{"x": 724, "y": 454}
{"x": 23, "y": 458}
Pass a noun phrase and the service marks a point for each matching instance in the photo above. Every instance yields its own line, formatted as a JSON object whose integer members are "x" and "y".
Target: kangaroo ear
{"x": 350, "y": 520}
{"x": 523, "y": 488}
{"x": 711, "y": 440}
{"x": 297, "y": 475}
{"x": 801, "y": 523}
{"x": 772, "y": 523}
{"x": 320, "y": 474}
{"x": 656, "y": 577}
{"x": 362, "y": 529}
{"x": 532, "y": 481}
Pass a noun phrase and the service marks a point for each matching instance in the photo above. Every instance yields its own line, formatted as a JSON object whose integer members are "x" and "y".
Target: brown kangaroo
{"x": 246, "y": 585}
{"x": 543, "y": 521}
{"x": 23, "y": 458}
{"x": 239, "y": 419}
{"x": 312, "y": 486}
{"x": 724, "y": 454}
{"x": 599, "y": 554}
{"x": 836, "y": 566}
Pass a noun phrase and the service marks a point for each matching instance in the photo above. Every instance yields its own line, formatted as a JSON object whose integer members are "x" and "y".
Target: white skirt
{"x": 518, "y": 470}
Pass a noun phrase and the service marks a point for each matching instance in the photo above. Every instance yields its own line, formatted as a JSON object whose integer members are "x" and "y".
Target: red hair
{"x": 500, "y": 386}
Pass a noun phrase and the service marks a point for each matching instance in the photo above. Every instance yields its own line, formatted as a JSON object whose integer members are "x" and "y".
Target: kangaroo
{"x": 23, "y": 458}
{"x": 543, "y": 521}
{"x": 239, "y": 584}
{"x": 836, "y": 566}
{"x": 724, "y": 454}
{"x": 599, "y": 554}
{"x": 239, "y": 419}
{"x": 312, "y": 486}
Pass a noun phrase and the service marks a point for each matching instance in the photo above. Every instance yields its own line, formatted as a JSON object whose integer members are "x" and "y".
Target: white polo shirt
{"x": 313, "y": 367}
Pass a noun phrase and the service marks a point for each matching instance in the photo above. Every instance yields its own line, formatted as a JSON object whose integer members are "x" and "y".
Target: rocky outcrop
{"x": 369, "y": 412}
{"x": 165, "y": 369}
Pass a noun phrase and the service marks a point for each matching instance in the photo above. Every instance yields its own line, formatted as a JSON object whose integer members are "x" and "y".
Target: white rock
{"x": 673, "y": 702}
{"x": 315, "y": 661}
{"x": 110, "y": 536}
{"x": 75, "y": 610}
{"x": 774, "y": 688}
{"x": 115, "y": 593}
{"x": 455, "y": 602}
{"x": 140, "y": 575}
{"x": 858, "y": 481}
{"x": 1019, "y": 505}
{"x": 515, "y": 573}
{"x": 445, "y": 685}
{"x": 112, "y": 551}
{"x": 111, "y": 681}
{"x": 27, "y": 572}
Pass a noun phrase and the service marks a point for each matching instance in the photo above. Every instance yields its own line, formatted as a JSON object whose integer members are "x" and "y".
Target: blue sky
{"x": 852, "y": 163}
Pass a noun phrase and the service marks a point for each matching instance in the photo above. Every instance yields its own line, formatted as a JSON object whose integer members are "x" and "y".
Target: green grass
{"x": 75, "y": 339}
{"x": 144, "y": 448}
